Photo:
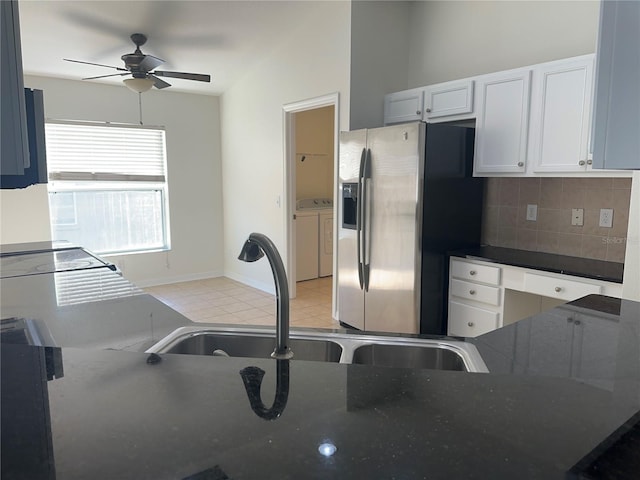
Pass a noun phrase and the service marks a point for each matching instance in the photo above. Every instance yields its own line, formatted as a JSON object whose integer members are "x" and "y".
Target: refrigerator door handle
{"x": 366, "y": 219}
{"x": 359, "y": 219}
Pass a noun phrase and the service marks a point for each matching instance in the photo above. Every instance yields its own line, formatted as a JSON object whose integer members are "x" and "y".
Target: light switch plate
{"x": 532, "y": 212}
{"x": 606, "y": 217}
{"x": 577, "y": 216}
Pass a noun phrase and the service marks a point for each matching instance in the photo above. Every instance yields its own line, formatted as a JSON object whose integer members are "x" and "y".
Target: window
{"x": 107, "y": 186}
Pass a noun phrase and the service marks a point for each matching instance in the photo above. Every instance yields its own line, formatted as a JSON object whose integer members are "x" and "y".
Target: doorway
{"x": 311, "y": 144}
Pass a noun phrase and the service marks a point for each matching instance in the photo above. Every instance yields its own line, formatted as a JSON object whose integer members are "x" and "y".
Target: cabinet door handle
{"x": 418, "y": 112}
{"x": 472, "y": 272}
{"x": 470, "y": 324}
{"x": 428, "y": 110}
{"x": 521, "y": 164}
{"x": 581, "y": 162}
{"x": 589, "y": 162}
{"x": 472, "y": 292}
{"x": 558, "y": 289}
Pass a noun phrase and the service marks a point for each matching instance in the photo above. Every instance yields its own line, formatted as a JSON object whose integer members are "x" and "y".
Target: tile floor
{"x": 222, "y": 300}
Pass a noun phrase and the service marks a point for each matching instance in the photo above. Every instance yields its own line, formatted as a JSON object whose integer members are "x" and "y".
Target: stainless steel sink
{"x": 366, "y": 349}
{"x": 409, "y": 356}
{"x": 236, "y": 344}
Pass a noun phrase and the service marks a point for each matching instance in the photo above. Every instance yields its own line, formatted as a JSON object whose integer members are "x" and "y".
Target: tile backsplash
{"x": 505, "y": 221}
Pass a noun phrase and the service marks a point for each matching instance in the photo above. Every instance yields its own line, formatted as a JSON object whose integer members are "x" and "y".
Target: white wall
{"x": 24, "y": 215}
{"x": 379, "y": 58}
{"x": 194, "y": 174}
{"x": 457, "y": 39}
{"x": 631, "y": 285}
{"x": 313, "y": 61}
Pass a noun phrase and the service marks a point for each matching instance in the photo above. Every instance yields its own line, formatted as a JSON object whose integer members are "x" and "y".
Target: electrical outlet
{"x": 606, "y": 217}
{"x": 532, "y": 212}
{"x": 577, "y": 216}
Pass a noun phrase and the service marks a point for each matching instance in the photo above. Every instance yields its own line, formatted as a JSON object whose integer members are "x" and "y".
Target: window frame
{"x": 61, "y": 181}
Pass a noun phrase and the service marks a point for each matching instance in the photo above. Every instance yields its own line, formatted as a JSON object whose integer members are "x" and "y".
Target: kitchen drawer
{"x": 562, "y": 288}
{"x": 475, "y": 272}
{"x": 475, "y": 291}
{"x": 468, "y": 321}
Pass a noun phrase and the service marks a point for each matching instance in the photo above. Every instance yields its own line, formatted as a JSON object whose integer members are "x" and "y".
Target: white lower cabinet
{"x": 484, "y": 296}
{"x": 475, "y": 303}
{"x": 554, "y": 287}
{"x": 470, "y": 321}
{"x": 475, "y": 291}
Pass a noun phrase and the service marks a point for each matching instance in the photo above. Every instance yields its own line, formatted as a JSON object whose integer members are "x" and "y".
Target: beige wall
{"x": 450, "y": 40}
{"x": 24, "y": 215}
{"x": 193, "y": 165}
{"x": 505, "y": 211}
{"x": 314, "y": 153}
{"x": 311, "y": 62}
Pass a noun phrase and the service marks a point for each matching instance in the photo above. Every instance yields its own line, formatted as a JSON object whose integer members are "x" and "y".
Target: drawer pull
{"x": 558, "y": 289}
{"x": 472, "y": 292}
{"x": 472, "y": 272}
{"x": 470, "y": 324}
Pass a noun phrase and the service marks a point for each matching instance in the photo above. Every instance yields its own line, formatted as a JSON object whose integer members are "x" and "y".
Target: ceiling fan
{"x": 141, "y": 68}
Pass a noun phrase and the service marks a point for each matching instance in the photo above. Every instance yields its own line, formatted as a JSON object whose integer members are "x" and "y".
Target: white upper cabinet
{"x": 502, "y": 122}
{"x": 444, "y": 101}
{"x": 616, "y": 128}
{"x": 405, "y": 106}
{"x": 541, "y": 120}
{"x": 561, "y": 114}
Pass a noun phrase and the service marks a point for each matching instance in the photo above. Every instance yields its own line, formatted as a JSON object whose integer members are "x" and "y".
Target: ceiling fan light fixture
{"x": 138, "y": 85}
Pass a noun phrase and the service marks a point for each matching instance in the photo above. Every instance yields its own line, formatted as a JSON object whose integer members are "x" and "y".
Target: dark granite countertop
{"x": 549, "y": 262}
{"x": 562, "y": 399}
{"x": 114, "y": 415}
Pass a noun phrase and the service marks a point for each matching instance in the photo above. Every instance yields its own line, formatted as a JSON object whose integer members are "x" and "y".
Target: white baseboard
{"x": 268, "y": 288}
{"x": 177, "y": 279}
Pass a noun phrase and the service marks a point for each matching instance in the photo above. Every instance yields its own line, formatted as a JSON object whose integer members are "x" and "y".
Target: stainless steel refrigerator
{"x": 407, "y": 196}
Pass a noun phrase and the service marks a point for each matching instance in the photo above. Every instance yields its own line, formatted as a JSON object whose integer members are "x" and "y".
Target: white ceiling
{"x": 220, "y": 38}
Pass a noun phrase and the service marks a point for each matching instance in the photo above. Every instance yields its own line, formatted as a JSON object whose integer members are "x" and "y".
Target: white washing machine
{"x": 325, "y": 268}
{"x": 311, "y": 233}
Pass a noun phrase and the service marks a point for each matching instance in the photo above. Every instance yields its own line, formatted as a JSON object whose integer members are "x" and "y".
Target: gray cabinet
{"x": 569, "y": 342}
{"x": 15, "y": 143}
{"x": 616, "y": 126}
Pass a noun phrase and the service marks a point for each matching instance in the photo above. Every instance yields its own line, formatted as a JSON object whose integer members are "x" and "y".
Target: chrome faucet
{"x": 256, "y": 246}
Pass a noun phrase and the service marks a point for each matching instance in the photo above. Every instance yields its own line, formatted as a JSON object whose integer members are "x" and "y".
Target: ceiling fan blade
{"x": 96, "y": 64}
{"x": 105, "y": 76}
{"x": 187, "y": 76}
{"x": 158, "y": 82}
{"x": 149, "y": 62}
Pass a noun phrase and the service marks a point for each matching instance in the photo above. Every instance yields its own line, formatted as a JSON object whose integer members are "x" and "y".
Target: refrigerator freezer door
{"x": 350, "y": 295}
{"x": 393, "y": 199}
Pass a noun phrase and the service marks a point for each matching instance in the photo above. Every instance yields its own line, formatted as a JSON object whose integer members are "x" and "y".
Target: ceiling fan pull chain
{"x": 140, "y": 106}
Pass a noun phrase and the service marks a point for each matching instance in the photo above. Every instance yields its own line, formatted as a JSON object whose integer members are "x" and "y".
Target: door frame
{"x": 289, "y": 169}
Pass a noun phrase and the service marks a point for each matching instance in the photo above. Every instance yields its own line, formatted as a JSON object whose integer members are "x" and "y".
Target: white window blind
{"x": 108, "y": 188}
{"x": 104, "y": 152}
